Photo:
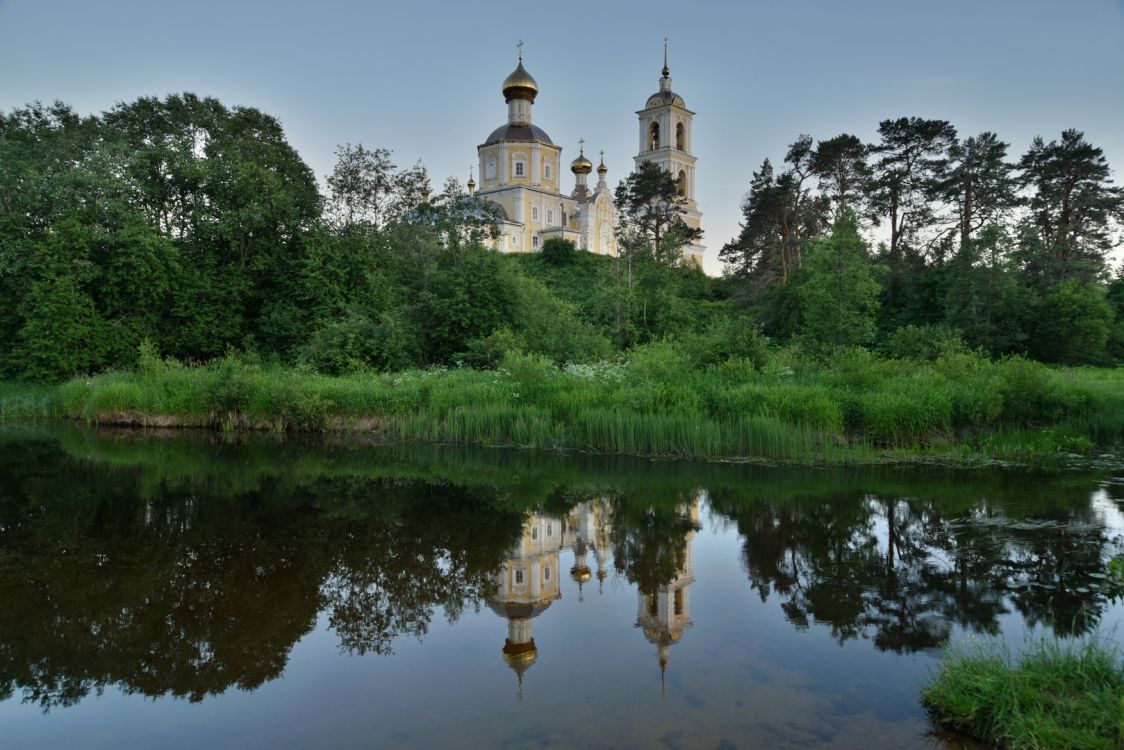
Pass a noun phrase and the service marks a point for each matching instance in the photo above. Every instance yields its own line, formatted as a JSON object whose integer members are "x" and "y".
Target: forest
{"x": 196, "y": 229}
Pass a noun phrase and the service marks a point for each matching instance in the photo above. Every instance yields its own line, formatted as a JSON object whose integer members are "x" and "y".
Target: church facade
{"x": 521, "y": 172}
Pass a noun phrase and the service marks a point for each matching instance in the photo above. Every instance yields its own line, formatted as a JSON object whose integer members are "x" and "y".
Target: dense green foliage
{"x": 719, "y": 394}
{"x": 1013, "y": 257}
{"x": 197, "y": 228}
{"x": 1064, "y": 696}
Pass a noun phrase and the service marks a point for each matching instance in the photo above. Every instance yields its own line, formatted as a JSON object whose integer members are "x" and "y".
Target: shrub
{"x": 924, "y": 343}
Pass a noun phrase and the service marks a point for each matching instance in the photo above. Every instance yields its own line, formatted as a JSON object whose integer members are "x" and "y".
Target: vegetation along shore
{"x": 175, "y": 262}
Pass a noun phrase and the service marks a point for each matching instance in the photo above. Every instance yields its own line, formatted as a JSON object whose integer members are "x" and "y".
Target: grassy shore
{"x": 857, "y": 407}
{"x": 1058, "y": 696}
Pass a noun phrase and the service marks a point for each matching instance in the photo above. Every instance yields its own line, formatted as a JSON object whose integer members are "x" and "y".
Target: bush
{"x": 924, "y": 343}
{"x": 559, "y": 251}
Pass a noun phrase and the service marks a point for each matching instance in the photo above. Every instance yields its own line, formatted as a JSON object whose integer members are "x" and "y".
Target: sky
{"x": 423, "y": 78}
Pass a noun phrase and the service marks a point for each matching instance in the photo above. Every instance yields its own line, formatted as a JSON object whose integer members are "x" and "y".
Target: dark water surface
{"x": 191, "y": 591}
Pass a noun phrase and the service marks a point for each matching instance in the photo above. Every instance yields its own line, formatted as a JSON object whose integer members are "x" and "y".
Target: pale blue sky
{"x": 423, "y": 78}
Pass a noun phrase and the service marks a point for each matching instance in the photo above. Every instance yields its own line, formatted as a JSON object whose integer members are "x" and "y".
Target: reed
{"x": 854, "y": 407}
{"x": 1053, "y": 695}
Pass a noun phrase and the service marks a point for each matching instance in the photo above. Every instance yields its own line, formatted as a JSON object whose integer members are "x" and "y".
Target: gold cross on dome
{"x": 519, "y": 45}
{"x": 581, "y": 145}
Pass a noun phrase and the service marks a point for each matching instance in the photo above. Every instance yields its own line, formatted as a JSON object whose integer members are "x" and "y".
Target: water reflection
{"x": 189, "y": 567}
{"x": 651, "y": 548}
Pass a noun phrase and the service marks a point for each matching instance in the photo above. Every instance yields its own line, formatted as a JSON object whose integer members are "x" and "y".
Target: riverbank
{"x": 1055, "y": 695}
{"x": 856, "y": 408}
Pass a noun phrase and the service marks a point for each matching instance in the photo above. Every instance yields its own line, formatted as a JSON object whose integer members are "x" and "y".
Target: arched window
{"x": 680, "y": 137}
{"x": 654, "y": 136}
{"x": 682, "y": 183}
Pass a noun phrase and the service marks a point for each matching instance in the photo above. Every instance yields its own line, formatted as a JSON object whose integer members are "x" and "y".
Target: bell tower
{"x": 665, "y": 138}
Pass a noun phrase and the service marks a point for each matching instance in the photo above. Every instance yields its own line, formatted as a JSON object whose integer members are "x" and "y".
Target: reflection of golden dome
{"x": 581, "y": 165}
{"x": 520, "y": 656}
{"x": 580, "y": 573}
{"x": 663, "y": 636}
{"x": 520, "y": 85}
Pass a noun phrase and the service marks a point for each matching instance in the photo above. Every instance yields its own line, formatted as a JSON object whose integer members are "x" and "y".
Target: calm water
{"x": 188, "y": 591}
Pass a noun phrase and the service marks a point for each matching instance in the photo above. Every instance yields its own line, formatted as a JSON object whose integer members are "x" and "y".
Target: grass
{"x": 28, "y": 401}
{"x": 1054, "y": 695}
{"x": 856, "y": 407}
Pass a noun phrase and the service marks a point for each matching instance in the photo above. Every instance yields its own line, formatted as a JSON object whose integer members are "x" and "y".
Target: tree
{"x": 360, "y": 185}
{"x": 911, "y": 163}
{"x": 986, "y": 299}
{"x": 1074, "y": 324}
{"x": 1074, "y": 208}
{"x": 841, "y": 165}
{"x": 652, "y": 215}
{"x": 779, "y": 216}
{"x": 979, "y": 183}
{"x": 839, "y": 292}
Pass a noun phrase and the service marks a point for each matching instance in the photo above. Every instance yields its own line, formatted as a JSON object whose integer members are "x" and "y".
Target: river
{"x": 199, "y": 590}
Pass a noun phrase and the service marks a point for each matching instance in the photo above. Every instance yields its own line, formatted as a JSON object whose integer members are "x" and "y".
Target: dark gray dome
{"x": 511, "y": 132}
{"x": 665, "y": 97}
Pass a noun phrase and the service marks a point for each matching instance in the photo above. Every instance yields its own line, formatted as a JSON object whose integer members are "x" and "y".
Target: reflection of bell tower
{"x": 665, "y": 614}
{"x": 602, "y": 539}
{"x": 525, "y": 585}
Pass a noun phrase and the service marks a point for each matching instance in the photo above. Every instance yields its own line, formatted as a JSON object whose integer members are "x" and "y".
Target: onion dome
{"x": 601, "y": 168}
{"x": 581, "y": 165}
{"x": 580, "y": 573}
{"x": 520, "y": 85}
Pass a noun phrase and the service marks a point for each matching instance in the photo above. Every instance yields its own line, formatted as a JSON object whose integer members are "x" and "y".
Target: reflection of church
{"x": 520, "y": 172}
{"x": 665, "y": 614}
{"x": 527, "y": 582}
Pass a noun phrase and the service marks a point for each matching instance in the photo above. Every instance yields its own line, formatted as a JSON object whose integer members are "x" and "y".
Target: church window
{"x": 520, "y": 169}
{"x": 680, "y": 137}
{"x": 535, "y": 241}
{"x": 550, "y": 217}
{"x": 534, "y": 213}
{"x": 490, "y": 172}
{"x": 546, "y": 573}
{"x": 546, "y": 170}
{"x": 654, "y": 136}
{"x": 550, "y": 529}
{"x": 679, "y": 601}
{"x": 519, "y": 577}
{"x": 682, "y": 181}
{"x": 535, "y": 533}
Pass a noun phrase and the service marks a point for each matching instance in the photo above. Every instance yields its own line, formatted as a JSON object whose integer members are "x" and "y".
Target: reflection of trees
{"x": 650, "y": 539}
{"x": 192, "y": 592}
{"x": 902, "y": 570}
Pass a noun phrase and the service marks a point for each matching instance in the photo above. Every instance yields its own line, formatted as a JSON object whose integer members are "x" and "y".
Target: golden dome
{"x": 520, "y": 85}
{"x": 580, "y": 573}
{"x": 581, "y": 165}
{"x": 601, "y": 168}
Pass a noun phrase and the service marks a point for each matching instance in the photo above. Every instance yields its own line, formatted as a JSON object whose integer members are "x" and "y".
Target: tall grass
{"x": 27, "y": 401}
{"x": 854, "y": 406}
{"x": 1054, "y": 695}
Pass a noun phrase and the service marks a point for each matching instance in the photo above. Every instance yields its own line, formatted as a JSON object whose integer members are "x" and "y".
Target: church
{"x": 520, "y": 170}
